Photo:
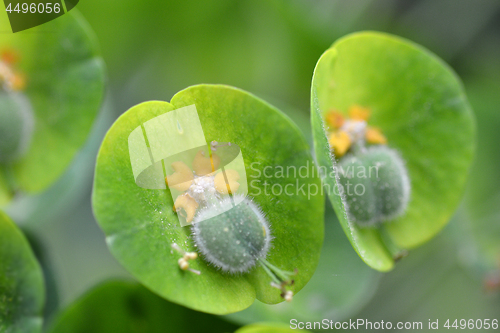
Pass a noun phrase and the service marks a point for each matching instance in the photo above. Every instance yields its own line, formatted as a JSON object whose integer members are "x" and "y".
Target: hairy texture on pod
{"x": 235, "y": 239}
{"x": 375, "y": 185}
{"x": 16, "y": 125}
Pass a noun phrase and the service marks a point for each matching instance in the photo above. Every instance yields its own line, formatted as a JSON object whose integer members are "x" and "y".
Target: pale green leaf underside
{"x": 419, "y": 104}
{"x": 140, "y": 225}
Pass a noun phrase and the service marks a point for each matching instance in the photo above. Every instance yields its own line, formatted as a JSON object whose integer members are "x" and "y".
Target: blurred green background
{"x": 154, "y": 49}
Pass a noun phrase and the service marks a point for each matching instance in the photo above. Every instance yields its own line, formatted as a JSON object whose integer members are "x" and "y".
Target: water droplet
{"x": 179, "y": 128}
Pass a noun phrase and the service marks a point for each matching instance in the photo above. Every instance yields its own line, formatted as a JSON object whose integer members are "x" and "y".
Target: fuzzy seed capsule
{"x": 359, "y": 194}
{"x": 375, "y": 185}
{"x": 234, "y": 239}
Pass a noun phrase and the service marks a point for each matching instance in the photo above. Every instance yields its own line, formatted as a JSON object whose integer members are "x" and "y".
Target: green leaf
{"x": 340, "y": 287}
{"x": 21, "y": 282}
{"x": 420, "y": 106}
{"x": 5, "y": 192}
{"x": 267, "y": 328}
{"x": 134, "y": 309}
{"x": 141, "y": 227}
{"x": 64, "y": 87}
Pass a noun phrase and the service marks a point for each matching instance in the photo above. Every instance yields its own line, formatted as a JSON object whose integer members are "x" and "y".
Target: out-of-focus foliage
{"x": 60, "y": 91}
{"x": 63, "y": 196}
{"x": 481, "y": 213}
{"x": 127, "y": 307}
{"x": 21, "y": 282}
{"x": 432, "y": 283}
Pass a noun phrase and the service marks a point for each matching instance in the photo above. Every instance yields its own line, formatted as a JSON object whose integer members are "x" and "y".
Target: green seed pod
{"x": 357, "y": 190}
{"x": 234, "y": 239}
{"x": 375, "y": 185}
{"x": 16, "y": 125}
{"x": 392, "y": 182}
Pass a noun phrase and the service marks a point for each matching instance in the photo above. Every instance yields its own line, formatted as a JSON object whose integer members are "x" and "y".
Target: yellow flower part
{"x": 232, "y": 179}
{"x": 203, "y": 165}
{"x": 186, "y": 202}
{"x": 13, "y": 80}
{"x": 374, "y": 136}
{"x": 10, "y": 56}
{"x": 335, "y": 119}
{"x": 181, "y": 179}
{"x": 340, "y": 142}
{"x": 17, "y": 82}
{"x": 360, "y": 113}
